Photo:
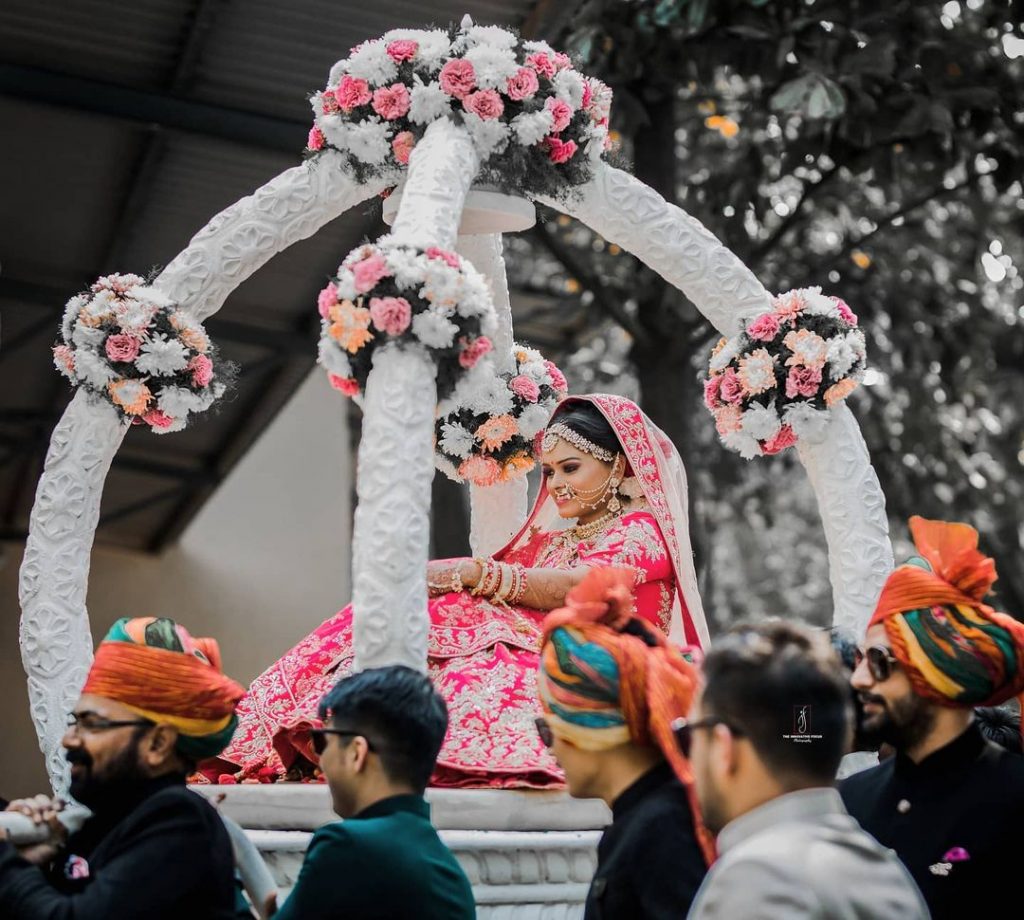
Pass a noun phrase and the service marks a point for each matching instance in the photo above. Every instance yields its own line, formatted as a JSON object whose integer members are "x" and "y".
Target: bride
{"x": 618, "y": 480}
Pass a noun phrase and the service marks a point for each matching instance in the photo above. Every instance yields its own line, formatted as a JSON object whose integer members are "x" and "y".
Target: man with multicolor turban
{"x": 155, "y": 701}
{"x": 610, "y": 686}
{"x": 950, "y": 803}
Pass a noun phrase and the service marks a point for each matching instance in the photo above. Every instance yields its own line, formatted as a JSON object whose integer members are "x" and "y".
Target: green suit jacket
{"x": 386, "y": 862}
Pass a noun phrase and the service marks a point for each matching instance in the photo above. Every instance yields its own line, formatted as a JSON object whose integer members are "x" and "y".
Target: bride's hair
{"x": 586, "y": 419}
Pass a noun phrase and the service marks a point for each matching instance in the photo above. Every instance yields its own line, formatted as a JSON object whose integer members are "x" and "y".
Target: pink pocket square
{"x": 957, "y": 854}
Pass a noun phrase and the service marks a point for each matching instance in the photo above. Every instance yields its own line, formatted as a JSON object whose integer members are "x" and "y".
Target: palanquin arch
{"x": 395, "y": 460}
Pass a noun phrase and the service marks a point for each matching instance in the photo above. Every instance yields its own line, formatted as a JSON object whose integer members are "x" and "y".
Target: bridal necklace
{"x": 586, "y": 531}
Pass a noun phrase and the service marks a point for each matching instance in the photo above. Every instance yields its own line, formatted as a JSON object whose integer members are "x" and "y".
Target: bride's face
{"x": 574, "y": 480}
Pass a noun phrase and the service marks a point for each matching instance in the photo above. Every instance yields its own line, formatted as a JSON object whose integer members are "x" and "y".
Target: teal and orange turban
{"x": 955, "y": 649}
{"x": 160, "y": 672}
{"x": 608, "y": 678}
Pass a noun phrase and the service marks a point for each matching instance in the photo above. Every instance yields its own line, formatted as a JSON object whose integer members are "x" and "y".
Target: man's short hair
{"x": 399, "y": 712}
{"x": 782, "y": 685}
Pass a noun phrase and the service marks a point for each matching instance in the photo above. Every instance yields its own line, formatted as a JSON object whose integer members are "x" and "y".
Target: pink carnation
{"x": 473, "y": 351}
{"x": 64, "y": 358}
{"x": 711, "y": 387}
{"x": 122, "y": 347}
{"x": 202, "y": 370}
{"x": 562, "y": 61}
{"x": 559, "y": 151}
{"x": 444, "y": 255}
{"x": 485, "y": 103}
{"x": 785, "y": 438}
{"x": 402, "y": 146}
{"x": 844, "y": 311}
{"x": 730, "y": 388}
{"x": 525, "y": 388}
{"x": 390, "y": 314}
{"x": 765, "y": 327}
{"x": 157, "y": 419}
{"x": 481, "y": 471}
{"x": 402, "y": 50}
{"x": 558, "y": 380}
{"x": 523, "y": 84}
{"x": 541, "y": 63}
{"x": 588, "y": 95}
{"x": 326, "y": 299}
{"x": 391, "y": 102}
{"x": 368, "y": 272}
{"x": 329, "y": 102}
{"x": 352, "y": 93}
{"x": 315, "y": 141}
{"x": 346, "y": 385}
{"x": 728, "y": 419}
{"x": 458, "y": 78}
{"x": 803, "y": 381}
{"x": 561, "y": 111}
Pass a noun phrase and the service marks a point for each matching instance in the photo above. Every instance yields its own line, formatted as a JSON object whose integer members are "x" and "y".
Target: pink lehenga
{"x": 482, "y": 656}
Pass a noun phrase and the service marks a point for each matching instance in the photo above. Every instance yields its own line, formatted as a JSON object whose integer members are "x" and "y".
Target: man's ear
{"x": 727, "y": 753}
{"x": 159, "y": 745}
{"x": 359, "y": 751}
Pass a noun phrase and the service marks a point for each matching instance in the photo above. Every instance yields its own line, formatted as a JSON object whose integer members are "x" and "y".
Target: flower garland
{"x": 538, "y": 124}
{"x": 774, "y": 382}
{"x": 485, "y": 432}
{"x": 385, "y": 293}
{"x": 131, "y": 345}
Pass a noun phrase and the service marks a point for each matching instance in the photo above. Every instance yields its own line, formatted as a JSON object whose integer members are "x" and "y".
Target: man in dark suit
{"x": 383, "y": 729}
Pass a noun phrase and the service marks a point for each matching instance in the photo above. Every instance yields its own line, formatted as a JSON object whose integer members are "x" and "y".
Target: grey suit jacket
{"x": 801, "y": 855}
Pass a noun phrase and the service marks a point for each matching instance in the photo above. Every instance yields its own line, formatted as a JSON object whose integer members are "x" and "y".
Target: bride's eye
{"x": 570, "y": 468}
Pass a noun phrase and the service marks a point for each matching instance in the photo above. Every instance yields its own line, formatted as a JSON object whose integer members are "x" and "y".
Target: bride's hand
{"x": 444, "y": 577}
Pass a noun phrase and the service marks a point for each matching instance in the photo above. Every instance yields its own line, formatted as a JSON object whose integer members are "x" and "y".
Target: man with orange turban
{"x": 950, "y": 803}
{"x": 610, "y": 686}
{"x": 154, "y": 702}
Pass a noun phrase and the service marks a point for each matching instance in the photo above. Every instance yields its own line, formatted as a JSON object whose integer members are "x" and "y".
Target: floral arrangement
{"x": 485, "y": 432}
{"x": 126, "y": 342}
{"x": 538, "y": 124}
{"x": 385, "y": 293}
{"x": 775, "y": 382}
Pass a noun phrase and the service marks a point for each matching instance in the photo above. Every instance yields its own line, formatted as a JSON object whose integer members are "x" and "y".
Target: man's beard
{"x": 116, "y": 783}
{"x": 902, "y": 723}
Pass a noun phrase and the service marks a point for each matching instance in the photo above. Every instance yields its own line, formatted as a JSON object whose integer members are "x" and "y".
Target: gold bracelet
{"x": 516, "y": 596}
{"x": 485, "y": 585}
{"x": 450, "y": 584}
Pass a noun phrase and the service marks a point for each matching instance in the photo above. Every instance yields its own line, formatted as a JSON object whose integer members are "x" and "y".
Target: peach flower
{"x": 481, "y": 471}
{"x": 839, "y": 391}
{"x": 402, "y": 146}
{"x": 132, "y": 396}
{"x": 809, "y": 349}
{"x": 517, "y": 466}
{"x": 728, "y": 419}
{"x": 757, "y": 371}
{"x": 351, "y": 328}
{"x": 496, "y": 431}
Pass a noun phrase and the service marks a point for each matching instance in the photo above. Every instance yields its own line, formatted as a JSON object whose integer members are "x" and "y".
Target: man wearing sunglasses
{"x": 764, "y": 739}
{"x": 154, "y": 703}
{"x": 950, "y": 803}
{"x": 383, "y": 729}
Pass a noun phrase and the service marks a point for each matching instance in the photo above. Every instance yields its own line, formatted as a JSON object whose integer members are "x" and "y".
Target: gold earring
{"x": 614, "y": 505}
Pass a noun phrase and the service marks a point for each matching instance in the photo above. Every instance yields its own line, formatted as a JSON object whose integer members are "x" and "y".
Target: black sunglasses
{"x": 683, "y": 729}
{"x": 881, "y": 662}
{"x": 547, "y": 737}
{"x": 318, "y": 738}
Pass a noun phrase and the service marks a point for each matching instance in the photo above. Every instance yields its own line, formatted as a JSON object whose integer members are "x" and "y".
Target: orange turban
{"x": 160, "y": 672}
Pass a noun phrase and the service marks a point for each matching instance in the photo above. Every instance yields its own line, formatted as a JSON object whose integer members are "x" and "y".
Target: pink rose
{"x": 803, "y": 381}
{"x": 558, "y": 380}
{"x": 458, "y": 78}
{"x": 157, "y": 419}
{"x": 844, "y": 311}
{"x": 391, "y": 102}
{"x": 352, "y": 93}
{"x": 523, "y": 84}
{"x": 785, "y": 438}
{"x": 122, "y": 347}
{"x": 368, "y": 272}
{"x": 559, "y": 151}
{"x": 326, "y": 299}
{"x": 315, "y": 141}
{"x": 730, "y": 388}
{"x": 525, "y": 388}
{"x": 473, "y": 351}
{"x": 562, "y": 61}
{"x": 486, "y": 103}
{"x": 562, "y": 113}
{"x": 444, "y": 255}
{"x": 390, "y": 314}
{"x": 346, "y": 385}
{"x": 402, "y": 50}
{"x": 542, "y": 64}
{"x": 402, "y": 146}
{"x": 765, "y": 327}
{"x": 202, "y": 370}
{"x": 711, "y": 387}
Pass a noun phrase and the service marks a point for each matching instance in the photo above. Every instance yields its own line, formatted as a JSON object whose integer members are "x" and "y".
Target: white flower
{"x": 601, "y": 99}
{"x": 442, "y": 284}
{"x": 761, "y": 422}
{"x": 71, "y": 311}
{"x": 368, "y": 141}
{"x": 427, "y": 102}
{"x": 151, "y": 296}
{"x": 729, "y": 351}
{"x": 133, "y": 316}
{"x": 568, "y": 86}
{"x": 346, "y": 285}
{"x": 535, "y": 370}
{"x": 332, "y": 358}
{"x": 335, "y": 129}
{"x": 817, "y": 304}
{"x": 808, "y": 423}
{"x": 840, "y": 356}
{"x": 856, "y": 340}
{"x": 87, "y": 336}
{"x": 456, "y": 440}
{"x": 495, "y": 36}
{"x": 447, "y": 467}
{"x": 538, "y": 48}
{"x": 406, "y": 266}
{"x": 433, "y": 329}
{"x": 177, "y": 425}
{"x": 372, "y": 63}
{"x": 178, "y": 402}
{"x": 490, "y": 393}
{"x": 493, "y": 66}
{"x": 533, "y": 127}
{"x": 337, "y": 72}
{"x": 161, "y": 355}
{"x": 534, "y": 417}
{"x": 92, "y": 369}
{"x": 746, "y": 446}
{"x": 594, "y": 141}
{"x": 489, "y": 136}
